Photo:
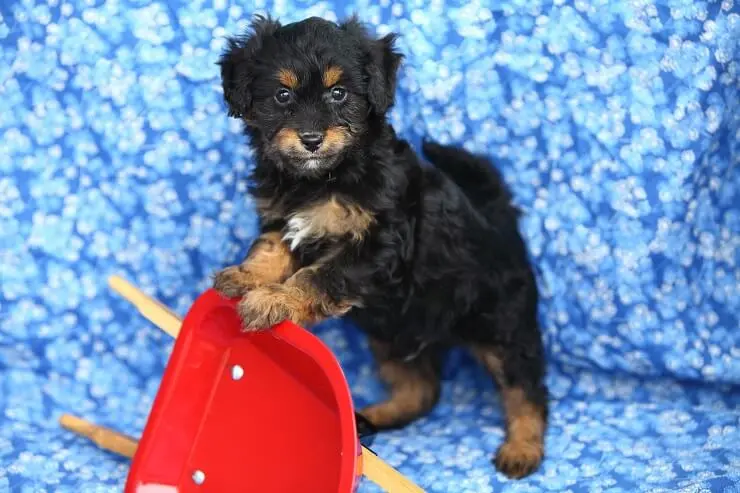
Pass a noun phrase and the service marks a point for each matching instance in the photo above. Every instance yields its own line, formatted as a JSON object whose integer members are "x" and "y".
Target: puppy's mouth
{"x": 313, "y": 157}
{"x": 316, "y": 162}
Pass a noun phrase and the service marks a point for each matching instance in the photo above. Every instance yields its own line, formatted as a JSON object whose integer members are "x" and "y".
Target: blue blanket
{"x": 617, "y": 124}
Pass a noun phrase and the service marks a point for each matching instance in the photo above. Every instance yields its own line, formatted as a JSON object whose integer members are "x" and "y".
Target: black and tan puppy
{"x": 420, "y": 258}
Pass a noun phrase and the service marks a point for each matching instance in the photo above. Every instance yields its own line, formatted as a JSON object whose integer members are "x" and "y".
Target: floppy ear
{"x": 236, "y": 64}
{"x": 382, "y": 73}
{"x": 382, "y": 66}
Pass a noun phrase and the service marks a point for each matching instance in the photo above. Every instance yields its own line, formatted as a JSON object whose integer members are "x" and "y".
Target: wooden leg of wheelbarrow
{"x": 104, "y": 438}
{"x": 382, "y": 474}
{"x": 151, "y": 309}
{"x": 373, "y": 467}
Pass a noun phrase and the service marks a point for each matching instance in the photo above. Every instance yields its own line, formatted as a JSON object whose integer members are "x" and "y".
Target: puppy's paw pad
{"x": 518, "y": 459}
{"x": 231, "y": 282}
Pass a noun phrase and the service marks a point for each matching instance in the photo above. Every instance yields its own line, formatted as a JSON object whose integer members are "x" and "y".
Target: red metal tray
{"x": 260, "y": 412}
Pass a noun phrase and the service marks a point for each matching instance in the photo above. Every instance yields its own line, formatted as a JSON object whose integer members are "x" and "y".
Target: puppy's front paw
{"x": 263, "y": 308}
{"x": 517, "y": 459}
{"x": 232, "y": 282}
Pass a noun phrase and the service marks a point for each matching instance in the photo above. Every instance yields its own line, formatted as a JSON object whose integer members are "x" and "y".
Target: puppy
{"x": 419, "y": 257}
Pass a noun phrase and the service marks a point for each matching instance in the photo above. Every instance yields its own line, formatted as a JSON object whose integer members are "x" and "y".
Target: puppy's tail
{"x": 475, "y": 175}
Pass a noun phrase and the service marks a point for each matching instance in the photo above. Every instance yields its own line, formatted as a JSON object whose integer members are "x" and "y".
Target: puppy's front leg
{"x": 305, "y": 298}
{"x": 414, "y": 387}
{"x": 269, "y": 261}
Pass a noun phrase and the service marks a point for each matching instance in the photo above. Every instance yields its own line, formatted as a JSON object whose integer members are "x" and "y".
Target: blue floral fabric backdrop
{"x": 616, "y": 123}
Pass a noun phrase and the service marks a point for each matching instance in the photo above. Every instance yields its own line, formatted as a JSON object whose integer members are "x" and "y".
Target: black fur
{"x": 444, "y": 263}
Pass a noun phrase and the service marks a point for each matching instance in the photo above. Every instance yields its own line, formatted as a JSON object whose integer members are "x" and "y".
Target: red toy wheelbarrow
{"x": 266, "y": 412}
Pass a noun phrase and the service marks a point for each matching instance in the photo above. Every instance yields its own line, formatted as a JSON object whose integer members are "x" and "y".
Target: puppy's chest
{"x": 302, "y": 228}
{"x": 329, "y": 219}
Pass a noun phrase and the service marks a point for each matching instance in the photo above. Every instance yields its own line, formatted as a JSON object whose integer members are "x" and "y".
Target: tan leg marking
{"x": 269, "y": 261}
{"x": 414, "y": 388}
{"x": 523, "y": 450}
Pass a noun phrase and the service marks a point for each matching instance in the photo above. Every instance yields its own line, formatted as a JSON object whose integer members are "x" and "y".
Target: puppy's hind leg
{"x": 524, "y": 396}
{"x": 414, "y": 387}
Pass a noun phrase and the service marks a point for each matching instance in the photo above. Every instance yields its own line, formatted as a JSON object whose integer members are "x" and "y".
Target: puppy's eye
{"x": 338, "y": 94}
{"x": 283, "y": 96}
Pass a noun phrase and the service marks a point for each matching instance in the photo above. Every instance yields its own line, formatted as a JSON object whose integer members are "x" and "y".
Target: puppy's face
{"x": 309, "y": 109}
{"x": 309, "y": 89}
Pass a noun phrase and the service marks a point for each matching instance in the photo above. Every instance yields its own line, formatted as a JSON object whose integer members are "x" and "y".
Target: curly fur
{"x": 436, "y": 259}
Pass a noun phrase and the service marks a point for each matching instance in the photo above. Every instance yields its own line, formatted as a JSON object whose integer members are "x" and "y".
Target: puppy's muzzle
{"x": 313, "y": 144}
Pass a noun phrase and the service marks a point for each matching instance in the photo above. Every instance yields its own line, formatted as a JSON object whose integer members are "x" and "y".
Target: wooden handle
{"x": 373, "y": 467}
{"x": 151, "y": 309}
{"x": 382, "y": 474}
{"x": 104, "y": 438}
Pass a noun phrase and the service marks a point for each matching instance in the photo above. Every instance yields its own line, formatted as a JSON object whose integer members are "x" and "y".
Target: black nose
{"x": 311, "y": 140}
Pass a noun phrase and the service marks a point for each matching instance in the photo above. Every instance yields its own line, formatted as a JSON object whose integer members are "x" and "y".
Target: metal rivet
{"x": 237, "y": 372}
{"x": 199, "y": 477}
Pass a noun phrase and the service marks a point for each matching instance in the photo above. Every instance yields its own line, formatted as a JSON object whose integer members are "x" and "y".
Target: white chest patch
{"x": 297, "y": 230}
{"x": 330, "y": 218}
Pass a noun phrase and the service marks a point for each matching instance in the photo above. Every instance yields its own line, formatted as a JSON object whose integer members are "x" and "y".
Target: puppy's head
{"x": 309, "y": 89}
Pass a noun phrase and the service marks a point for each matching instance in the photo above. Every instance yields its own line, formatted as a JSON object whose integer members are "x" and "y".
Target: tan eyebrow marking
{"x": 288, "y": 78}
{"x": 332, "y": 75}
